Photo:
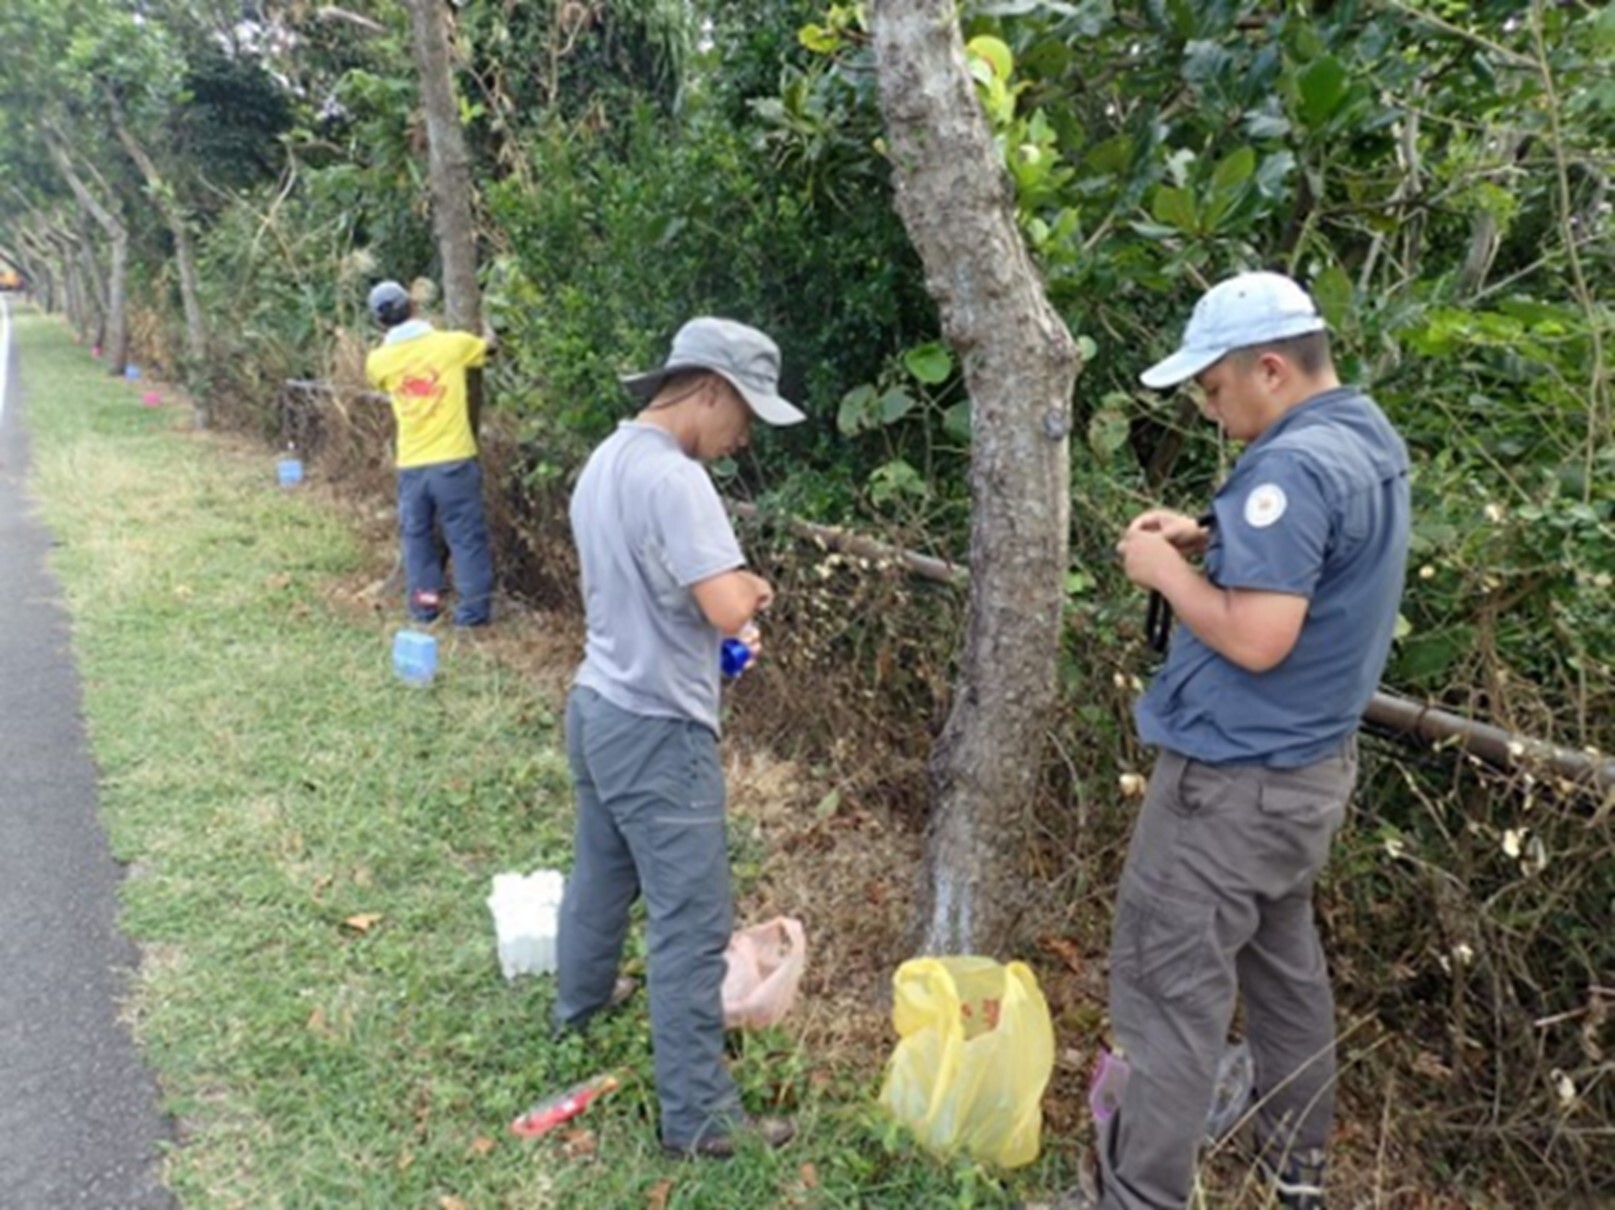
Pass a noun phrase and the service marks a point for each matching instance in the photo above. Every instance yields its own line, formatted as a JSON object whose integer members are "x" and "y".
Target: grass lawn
{"x": 311, "y": 844}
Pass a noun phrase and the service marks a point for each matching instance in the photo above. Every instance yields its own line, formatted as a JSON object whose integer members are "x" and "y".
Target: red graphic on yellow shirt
{"x": 424, "y": 387}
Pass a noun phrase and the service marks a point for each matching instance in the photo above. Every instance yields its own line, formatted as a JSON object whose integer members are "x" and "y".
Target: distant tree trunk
{"x": 184, "y": 258}
{"x": 1020, "y": 364}
{"x": 116, "y": 348}
{"x": 95, "y": 286}
{"x": 449, "y": 168}
{"x": 41, "y": 267}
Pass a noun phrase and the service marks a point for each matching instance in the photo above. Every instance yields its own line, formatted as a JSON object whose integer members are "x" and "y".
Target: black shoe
{"x": 1298, "y": 1180}
{"x": 773, "y": 1132}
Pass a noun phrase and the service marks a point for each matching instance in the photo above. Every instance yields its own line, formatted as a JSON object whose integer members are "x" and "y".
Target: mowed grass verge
{"x": 311, "y": 844}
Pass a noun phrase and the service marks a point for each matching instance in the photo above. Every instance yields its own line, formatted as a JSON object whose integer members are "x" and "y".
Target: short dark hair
{"x": 1309, "y": 351}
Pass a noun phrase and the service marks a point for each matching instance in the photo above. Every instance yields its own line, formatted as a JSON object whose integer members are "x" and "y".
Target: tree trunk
{"x": 185, "y": 260}
{"x": 116, "y": 349}
{"x": 95, "y": 287}
{"x": 1020, "y": 364}
{"x": 449, "y": 169}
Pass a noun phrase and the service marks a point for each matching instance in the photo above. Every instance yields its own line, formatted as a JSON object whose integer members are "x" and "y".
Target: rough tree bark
{"x": 1020, "y": 364}
{"x": 449, "y": 169}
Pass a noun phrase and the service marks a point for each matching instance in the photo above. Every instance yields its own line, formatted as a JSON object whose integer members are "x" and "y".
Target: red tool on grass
{"x": 550, "y": 1113}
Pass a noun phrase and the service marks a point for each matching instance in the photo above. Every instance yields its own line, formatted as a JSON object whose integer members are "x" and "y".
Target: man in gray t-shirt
{"x": 664, "y": 584}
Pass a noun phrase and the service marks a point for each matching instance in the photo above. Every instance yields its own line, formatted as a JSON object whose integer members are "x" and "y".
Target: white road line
{"x": 5, "y": 351}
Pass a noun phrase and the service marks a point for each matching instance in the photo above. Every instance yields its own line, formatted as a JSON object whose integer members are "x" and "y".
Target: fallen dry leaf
{"x": 656, "y": 1199}
{"x": 450, "y": 1202}
{"x": 580, "y": 1145}
{"x": 1066, "y": 951}
{"x": 482, "y": 1145}
{"x": 809, "y": 1175}
{"x": 363, "y": 922}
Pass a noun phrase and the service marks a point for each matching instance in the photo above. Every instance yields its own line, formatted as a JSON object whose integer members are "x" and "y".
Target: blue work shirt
{"x": 1317, "y": 506}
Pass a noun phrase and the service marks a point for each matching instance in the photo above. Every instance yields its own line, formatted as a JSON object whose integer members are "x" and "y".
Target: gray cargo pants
{"x": 650, "y": 803}
{"x": 1216, "y": 900}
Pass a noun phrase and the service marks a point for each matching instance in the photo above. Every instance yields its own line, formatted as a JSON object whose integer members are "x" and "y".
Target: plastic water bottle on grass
{"x": 289, "y": 470}
{"x": 415, "y": 657}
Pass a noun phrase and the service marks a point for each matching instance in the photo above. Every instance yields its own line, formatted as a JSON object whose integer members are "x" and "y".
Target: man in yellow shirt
{"x": 423, "y": 371}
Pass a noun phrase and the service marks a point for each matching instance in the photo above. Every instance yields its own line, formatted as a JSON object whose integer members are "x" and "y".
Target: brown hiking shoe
{"x": 773, "y": 1132}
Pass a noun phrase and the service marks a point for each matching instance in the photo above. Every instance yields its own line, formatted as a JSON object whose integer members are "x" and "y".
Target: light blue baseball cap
{"x": 1250, "y": 309}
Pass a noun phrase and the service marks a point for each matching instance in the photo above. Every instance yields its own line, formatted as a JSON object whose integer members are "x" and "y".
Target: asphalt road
{"x": 79, "y": 1123}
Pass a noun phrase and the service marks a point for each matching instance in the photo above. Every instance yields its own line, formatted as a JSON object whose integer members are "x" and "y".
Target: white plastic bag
{"x": 526, "y": 918}
{"x": 765, "y": 966}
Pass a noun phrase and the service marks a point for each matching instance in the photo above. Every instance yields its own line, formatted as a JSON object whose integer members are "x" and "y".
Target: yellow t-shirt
{"x": 425, "y": 377}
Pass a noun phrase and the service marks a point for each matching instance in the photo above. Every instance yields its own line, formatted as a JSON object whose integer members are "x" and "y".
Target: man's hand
{"x": 1148, "y": 556}
{"x": 1184, "y": 532}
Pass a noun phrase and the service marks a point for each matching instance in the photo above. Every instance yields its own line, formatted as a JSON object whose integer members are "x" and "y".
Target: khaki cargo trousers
{"x": 1216, "y": 902}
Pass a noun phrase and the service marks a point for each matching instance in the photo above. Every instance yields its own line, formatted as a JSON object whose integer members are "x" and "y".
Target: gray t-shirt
{"x": 649, "y": 524}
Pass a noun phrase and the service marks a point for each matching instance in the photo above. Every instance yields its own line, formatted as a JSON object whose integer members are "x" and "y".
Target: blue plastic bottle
{"x": 733, "y": 658}
{"x": 415, "y": 657}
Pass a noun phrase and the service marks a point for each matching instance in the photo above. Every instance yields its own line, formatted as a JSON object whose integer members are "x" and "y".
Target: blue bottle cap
{"x": 734, "y": 657}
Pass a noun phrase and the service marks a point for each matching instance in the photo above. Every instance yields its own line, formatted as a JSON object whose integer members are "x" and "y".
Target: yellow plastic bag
{"x": 974, "y": 1055}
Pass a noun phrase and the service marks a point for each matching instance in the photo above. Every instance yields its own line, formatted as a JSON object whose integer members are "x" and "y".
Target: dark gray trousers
{"x": 650, "y": 803}
{"x": 1216, "y": 901}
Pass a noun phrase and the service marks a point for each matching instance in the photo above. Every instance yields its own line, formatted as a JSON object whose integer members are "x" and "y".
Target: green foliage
{"x": 1437, "y": 173}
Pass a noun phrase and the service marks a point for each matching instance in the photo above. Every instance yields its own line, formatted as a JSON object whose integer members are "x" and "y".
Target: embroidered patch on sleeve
{"x": 1265, "y": 505}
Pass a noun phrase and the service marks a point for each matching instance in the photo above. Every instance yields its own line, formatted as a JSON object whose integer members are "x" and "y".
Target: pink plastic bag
{"x": 765, "y": 967}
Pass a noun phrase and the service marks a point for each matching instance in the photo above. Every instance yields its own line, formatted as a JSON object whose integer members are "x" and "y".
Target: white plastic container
{"x": 526, "y": 917}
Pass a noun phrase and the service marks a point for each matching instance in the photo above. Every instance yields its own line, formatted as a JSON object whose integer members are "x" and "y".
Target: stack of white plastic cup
{"x": 526, "y": 916}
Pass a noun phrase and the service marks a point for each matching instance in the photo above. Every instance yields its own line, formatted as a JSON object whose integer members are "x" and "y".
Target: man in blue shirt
{"x": 1282, "y": 634}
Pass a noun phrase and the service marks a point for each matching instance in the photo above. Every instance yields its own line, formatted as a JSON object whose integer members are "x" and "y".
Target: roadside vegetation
{"x": 1438, "y": 174}
{"x": 310, "y": 844}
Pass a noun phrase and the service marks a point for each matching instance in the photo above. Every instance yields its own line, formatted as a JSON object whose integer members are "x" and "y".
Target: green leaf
{"x": 1108, "y": 431}
{"x": 929, "y": 363}
{"x": 1260, "y": 125}
{"x": 895, "y": 404}
{"x": 956, "y": 420}
{"x": 1332, "y": 290}
{"x": 1274, "y": 173}
{"x": 994, "y": 53}
{"x": 1425, "y": 658}
{"x": 857, "y": 410}
{"x": 896, "y": 478}
{"x": 1175, "y": 208}
{"x": 1323, "y": 87}
{"x": 819, "y": 40}
{"x": 1233, "y": 170}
